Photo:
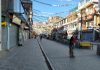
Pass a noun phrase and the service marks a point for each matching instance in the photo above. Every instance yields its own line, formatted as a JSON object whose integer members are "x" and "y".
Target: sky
{"x": 42, "y": 9}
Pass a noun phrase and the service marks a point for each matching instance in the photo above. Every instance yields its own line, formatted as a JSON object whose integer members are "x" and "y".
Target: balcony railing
{"x": 83, "y": 2}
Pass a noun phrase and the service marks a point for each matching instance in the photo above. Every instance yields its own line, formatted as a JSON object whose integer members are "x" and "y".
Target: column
{"x": 94, "y": 27}
{"x": 0, "y": 27}
{"x": 8, "y": 35}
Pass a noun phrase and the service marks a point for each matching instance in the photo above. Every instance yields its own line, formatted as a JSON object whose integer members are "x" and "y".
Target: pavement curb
{"x": 49, "y": 64}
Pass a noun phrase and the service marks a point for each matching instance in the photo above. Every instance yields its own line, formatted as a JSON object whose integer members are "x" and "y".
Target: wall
{"x": 0, "y": 25}
{"x": 7, "y": 5}
{"x": 99, "y": 5}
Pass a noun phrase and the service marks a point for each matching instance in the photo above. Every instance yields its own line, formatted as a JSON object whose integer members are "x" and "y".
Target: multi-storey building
{"x": 0, "y": 27}
{"x": 69, "y": 24}
{"x": 84, "y": 21}
{"x": 54, "y": 19}
{"x": 88, "y": 19}
{"x": 72, "y": 23}
{"x": 15, "y": 22}
{"x": 40, "y": 27}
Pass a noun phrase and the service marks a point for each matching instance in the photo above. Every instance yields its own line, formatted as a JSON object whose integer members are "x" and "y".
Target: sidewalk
{"x": 28, "y": 57}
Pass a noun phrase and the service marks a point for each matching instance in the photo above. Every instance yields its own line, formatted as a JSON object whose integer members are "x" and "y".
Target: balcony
{"x": 86, "y": 3}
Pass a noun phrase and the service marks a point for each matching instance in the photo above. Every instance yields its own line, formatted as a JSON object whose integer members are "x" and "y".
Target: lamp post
{"x": 0, "y": 27}
{"x": 80, "y": 25}
{"x": 98, "y": 45}
{"x": 30, "y": 23}
{"x": 99, "y": 29}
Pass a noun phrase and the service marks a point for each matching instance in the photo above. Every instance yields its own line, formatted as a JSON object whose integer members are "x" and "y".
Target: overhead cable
{"x": 41, "y": 16}
{"x": 54, "y": 5}
{"x": 52, "y": 13}
{"x": 42, "y": 3}
{"x": 37, "y": 18}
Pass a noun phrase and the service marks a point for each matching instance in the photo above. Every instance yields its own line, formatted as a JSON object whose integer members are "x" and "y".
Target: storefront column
{"x": 8, "y": 36}
{"x": 0, "y": 28}
{"x": 80, "y": 30}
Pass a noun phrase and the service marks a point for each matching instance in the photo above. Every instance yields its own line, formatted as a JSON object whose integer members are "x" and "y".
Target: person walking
{"x": 72, "y": 45}
{"x": 40, "y": 37}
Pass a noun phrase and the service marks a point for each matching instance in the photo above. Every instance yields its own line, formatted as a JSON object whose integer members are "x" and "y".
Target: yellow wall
{"x": 72, "y": 16}
{"x": 97, "y": 20}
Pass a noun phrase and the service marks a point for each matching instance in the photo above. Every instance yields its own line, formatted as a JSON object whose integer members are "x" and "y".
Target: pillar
{"x": 94, "y": 27}
{"x": 0, "y": 28}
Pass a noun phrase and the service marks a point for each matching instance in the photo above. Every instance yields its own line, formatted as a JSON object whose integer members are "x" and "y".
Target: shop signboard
{"x": 16, "y": 20}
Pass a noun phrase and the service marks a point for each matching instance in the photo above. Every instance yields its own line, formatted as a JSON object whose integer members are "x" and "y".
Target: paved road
{"x": 28, "y": 57}
{"x": 85, "y": 59}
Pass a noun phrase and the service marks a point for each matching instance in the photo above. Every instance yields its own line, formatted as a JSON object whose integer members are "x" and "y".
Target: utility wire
{"x": 36, "y": 10}
{"x": 40, "y": 16}
{"x": 37, "y": 18}
{"x": 51, "y": 13}
{"x": 42, "y": 3}
{"x": 51, "y": 4}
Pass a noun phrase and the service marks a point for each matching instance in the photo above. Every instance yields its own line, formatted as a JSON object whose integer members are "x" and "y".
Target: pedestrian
{"x": 40, "y": 37}
{"x": 35, "y": 36}
{"x": 72, "y": 45}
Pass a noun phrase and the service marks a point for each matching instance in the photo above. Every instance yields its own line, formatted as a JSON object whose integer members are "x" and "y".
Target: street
{"x": 30, "y": 57}
{"x": 36, "y": 34}
{"x": 85, "y": 59}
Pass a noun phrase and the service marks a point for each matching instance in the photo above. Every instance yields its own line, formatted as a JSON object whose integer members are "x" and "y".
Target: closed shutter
{"x": 13, "y": 35}
{"x": 4, "y": 37}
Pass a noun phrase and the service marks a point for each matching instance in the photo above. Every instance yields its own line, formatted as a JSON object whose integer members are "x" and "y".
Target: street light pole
{"x": 81, "y": 27}
{"x": 99, "y": 30}
{"x": 30, "y": 23}
{"x": 0, "y": 27}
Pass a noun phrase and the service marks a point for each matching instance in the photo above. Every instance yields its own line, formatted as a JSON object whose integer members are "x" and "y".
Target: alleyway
{"x": 30, "y": 57}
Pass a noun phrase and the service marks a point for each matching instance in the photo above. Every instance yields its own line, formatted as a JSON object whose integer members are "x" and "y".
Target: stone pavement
{"x": 28, "y": 57}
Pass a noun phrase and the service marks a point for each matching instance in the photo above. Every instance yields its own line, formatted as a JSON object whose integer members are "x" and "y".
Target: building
{"x": 72, "y": 23}
{"x": 0, "y": 27}
{"x": 54, "y": 19}
{"x": 53, "y": 22}
{"x": 15, "y": 22}
{"x": 88, "y": 19}
{"x": 99, "y": 5}
{"x": 40, "y": 27}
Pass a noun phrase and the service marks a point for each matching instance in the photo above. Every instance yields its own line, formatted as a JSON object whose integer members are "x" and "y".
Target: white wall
{"x": 96, "y": 0}
{"x": 99, "y": 4}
